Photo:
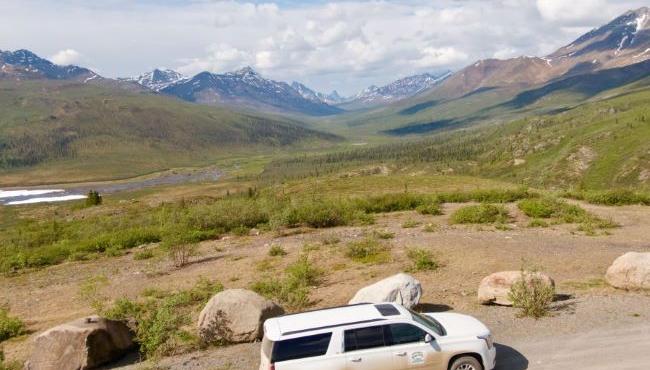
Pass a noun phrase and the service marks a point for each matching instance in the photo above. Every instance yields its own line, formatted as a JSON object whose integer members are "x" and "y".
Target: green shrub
{"x": 486, "y": 196}
{"x": 409, "y": 224}
{"x": 430, "y": 208}
{"x": 10, "y": 326}
{"x": 93, "y": 199}
{"x": 540, "y": 207}
{"x": 422, "y": 260}
{"x": 159, "y": 320}
{"x": 390, "y": 202}
{"x": 480, "y": 214}
{"x": 291, "y": 290}
{"x": 382, "y": 234}
{"x": 277, "y": 250}
{"x": 144, "y": 254}
{"x": 618, "y": 197}
{"x": 531, "y": 295}
{"x": 368, "y": 250}
{"x": 318, "y": 213}
{"x": 536, "y": 222}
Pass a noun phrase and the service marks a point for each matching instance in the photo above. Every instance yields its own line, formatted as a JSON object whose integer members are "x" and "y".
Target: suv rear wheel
{"x": 466, "y": 363}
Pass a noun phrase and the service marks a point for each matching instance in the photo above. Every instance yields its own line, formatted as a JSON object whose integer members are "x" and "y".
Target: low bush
{"x": 390, "y": 202}
{"x": 277, "y": 250}
{"x": 161, "y": 321}
{"x": 536, "y": 222}
{"x": 382, "y": 234}
{"x": 10, "y": 326}
{"x": 480, "y": 214}
{"x": 531, "y": 295}
{"x": 144, "y": 254}
{"x": 368, "y": 250}
{"x": 618, "y": 197}
{"x": 487, "y": 196}
{"x": 430, "y": 208}
{"x": 540, "y": 207}
{"x": 292, "y": 289}
{"x": 318, "y": 213}
{"x": 409, "y": 224}
{"x": 422, "y": 260}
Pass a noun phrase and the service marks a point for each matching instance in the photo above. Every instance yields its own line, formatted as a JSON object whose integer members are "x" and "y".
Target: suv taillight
{"x": 271, "y": 366}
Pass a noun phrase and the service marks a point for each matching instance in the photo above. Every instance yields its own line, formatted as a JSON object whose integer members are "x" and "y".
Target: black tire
{"x": 466, "y": 363}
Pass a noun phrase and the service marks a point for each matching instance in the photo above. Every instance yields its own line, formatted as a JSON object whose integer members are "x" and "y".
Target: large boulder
{"x": 235, "y": 316}
{"x": 401, "y": 288}
{"x": 495, "y": 288}
{"x": 81, "y": 344}
{"x": 630, "y": 271}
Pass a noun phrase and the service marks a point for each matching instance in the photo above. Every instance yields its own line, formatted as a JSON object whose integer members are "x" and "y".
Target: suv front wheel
{"x": 466, "y": 363}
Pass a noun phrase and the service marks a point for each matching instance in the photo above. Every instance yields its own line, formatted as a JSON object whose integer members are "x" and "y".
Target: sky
{"x": 342, "y": 45}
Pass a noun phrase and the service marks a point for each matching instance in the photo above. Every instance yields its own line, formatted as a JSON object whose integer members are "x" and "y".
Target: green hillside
{"x": 433, "y": 111}
{"x": 73, "y": 132}
{"x": 597, "y": 145}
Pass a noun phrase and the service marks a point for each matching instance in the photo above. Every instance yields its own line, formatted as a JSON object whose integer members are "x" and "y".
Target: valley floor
{"x": 591, "y": 323}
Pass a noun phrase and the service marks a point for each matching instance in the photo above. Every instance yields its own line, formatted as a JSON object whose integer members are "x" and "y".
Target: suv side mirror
{"x": 428, "y": 338}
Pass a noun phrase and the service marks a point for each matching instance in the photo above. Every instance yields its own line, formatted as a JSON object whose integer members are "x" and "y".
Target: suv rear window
{"x": 364, "y": 338}
{"x": 293, "y": 349}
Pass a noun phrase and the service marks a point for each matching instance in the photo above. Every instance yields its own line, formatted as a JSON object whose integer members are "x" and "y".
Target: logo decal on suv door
{"x": 416, "y": 358}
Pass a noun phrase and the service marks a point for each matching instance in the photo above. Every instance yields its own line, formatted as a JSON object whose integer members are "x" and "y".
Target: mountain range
{"x": 63, "y": 113}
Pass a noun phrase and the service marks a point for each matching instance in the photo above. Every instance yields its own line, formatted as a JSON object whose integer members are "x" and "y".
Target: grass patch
{"x": 144, "y": 254}
{"x": 277, "y": 251}
{"x": 162, "y": 320}
{"x": 422, "y": 260}
{"x": 617, "y": 197}
{"x": 409, "y": 224}
{"x": 368, "y": 250}
{"x": 291, "y": 290}
{"x": 480, "y": 214}
{"x": 561, "y": 212}
{"x": 383, "y": 234}
{"x": 536, "y": 222}
{"x": 330, "y": 240}
{"x": 430, "y": 228}
{"x": 10, "y": 326}
{"x": 587, "y": 284}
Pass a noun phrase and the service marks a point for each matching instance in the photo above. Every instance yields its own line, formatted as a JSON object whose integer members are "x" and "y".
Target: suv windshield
{"x": 429, "y": 322}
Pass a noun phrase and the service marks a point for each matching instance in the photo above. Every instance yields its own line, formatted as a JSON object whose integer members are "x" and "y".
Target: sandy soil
{"x": 468, "y": 253}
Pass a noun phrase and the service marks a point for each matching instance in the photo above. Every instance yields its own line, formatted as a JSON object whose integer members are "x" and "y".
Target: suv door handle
{"x": 358, "y": 359}
{"x": 401, "y": 354}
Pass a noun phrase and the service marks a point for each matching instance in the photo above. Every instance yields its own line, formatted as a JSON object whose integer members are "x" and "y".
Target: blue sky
{"x": 343, "y": 45}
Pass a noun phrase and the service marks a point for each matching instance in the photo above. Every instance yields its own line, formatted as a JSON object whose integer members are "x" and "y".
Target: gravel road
{"x": 626, "y": 348}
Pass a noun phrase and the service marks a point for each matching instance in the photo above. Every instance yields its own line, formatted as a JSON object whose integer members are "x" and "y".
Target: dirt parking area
{"x": 576, "y": 261}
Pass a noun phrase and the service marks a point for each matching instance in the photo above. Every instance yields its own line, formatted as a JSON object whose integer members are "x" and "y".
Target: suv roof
{"x": 316, "y": 321}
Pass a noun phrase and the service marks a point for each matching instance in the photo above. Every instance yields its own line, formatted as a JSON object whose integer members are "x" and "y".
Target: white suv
{"x": 383, "y": 336}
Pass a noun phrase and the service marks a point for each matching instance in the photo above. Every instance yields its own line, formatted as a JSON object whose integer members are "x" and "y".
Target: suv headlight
{"x": 489, "y": 341}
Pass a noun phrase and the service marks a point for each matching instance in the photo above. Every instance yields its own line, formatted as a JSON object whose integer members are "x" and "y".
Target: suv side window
{"x": 364, "y": 338}
{"x": 292, "y": 349}
{"x": 405, "y": 333}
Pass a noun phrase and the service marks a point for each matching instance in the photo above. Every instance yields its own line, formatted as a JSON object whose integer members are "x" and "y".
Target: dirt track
{"x": 624, "y": 348}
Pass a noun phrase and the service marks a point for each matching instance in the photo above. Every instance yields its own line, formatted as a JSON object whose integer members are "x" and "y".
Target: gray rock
{"x": 81, "y": 344}
{"x": 495, "y": 288}
{"x": 235, "y": 316}
{"x": 401, "y": 288}
{"x": 630, "y": 271}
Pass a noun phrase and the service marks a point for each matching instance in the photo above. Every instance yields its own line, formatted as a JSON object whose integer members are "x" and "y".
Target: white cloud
{"x": 344, "y": 45}
{"x": 65, "y": 57}
{"x": 440, "y": 57}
